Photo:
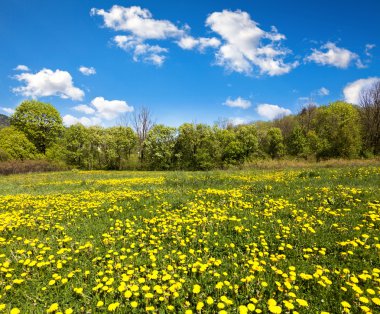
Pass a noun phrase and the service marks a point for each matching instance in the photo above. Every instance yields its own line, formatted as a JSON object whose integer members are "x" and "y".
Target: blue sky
{"x": 188, "y": 61}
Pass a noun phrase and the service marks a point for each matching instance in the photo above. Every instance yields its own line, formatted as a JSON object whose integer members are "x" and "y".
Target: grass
{"x": 300, "y": 240}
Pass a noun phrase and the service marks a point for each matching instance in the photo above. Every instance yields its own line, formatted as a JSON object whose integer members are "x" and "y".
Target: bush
{"x": 14, "y": 167}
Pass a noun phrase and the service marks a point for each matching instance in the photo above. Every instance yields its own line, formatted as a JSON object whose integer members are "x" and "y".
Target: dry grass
{"x": 285, "y": 163}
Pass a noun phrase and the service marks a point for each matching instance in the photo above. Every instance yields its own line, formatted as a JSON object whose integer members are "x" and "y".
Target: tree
{"x": 142, "y": 123}
{"x": 338, "y": 126}
{"x": 159, "y": 147}
{"x": 76, "y": 142}
{"x": 41, "y": 123}
{"x": 120, "y": 142}
{"x": 275, "y": 143}
{"x": 307, "y": 116}
{"x": 197, "y": 147}
{"x": 370, "y": 116}
{"x": 14, "y": 145}
{"x": 297, "y": 144}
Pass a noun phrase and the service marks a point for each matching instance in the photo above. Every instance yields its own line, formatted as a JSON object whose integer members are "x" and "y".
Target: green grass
{"x": 244, "y": 236}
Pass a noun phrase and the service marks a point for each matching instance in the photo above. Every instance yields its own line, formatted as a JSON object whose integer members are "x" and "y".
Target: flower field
{"x": 285, "y": 241}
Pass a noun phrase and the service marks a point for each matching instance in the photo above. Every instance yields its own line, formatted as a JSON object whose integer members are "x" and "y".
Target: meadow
{"x": 242, "y": 241}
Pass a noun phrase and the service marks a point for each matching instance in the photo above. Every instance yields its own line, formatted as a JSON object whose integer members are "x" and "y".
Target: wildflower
{"x": 209, "y": 300}
{"x": 196, "y": 289}
{"x": 99, "y": 304}
{"x": 302, "y": 302}
{"x": 200, "y": 306}
{"x": 52, "y": 308}
{"x": 113, "y": 306}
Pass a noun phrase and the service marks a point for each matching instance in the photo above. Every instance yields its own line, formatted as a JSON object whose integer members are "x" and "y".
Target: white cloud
{"x": 87, "y": 71}
{"x": 110, "y": 109}
{"x": 8, "y": 110}
{"x": 330, "y": 54}
{"x": 85, "y": 109}
{"x": 71, "y": 120}
{"x": 368, "y": 48}
{"x": 98, "y": 110}
{"x": 21, "y": 67}
{"x": 140, "y": 26}
{"x": 323, "y": 91}
{"x": 272, "y": 111}
{"x": 201, "y": 43}
{"x": 141, "y": 51}
{"x": 238, "y": 120}
{"x": 48, "y": 83}
{"x": 352, "y": 90}
{"x": 138, "y": 22}
{"x": 238, "y": 103}
{"x": 246, "y": 46}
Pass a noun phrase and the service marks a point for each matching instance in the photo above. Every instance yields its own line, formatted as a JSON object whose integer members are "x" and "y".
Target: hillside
{"x": 4, "y": 120}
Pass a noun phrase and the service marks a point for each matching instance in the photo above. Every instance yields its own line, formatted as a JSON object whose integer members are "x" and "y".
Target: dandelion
{"x": 52, "y": 308}
{"x": 302, "y": 302}
{"x": 209, "y": 300}
{"x": 113, "y": 306}
{"x": 99, "y": 304}
{"x": 196, "y": 289}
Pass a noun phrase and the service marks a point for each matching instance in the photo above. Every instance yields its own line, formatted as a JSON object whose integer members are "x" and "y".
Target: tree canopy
{"x": 40, "y": 122}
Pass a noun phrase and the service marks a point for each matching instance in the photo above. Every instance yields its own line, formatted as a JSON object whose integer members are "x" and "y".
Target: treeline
{"x": 337, "y": 130}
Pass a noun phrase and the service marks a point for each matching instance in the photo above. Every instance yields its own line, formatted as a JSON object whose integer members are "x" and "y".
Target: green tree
{"x": 197, "y": 147}
{"x": 159, "y": 147}
{"x": 41, "y": 123}
{"x": 76, "y": 142}
{"x": 119, "y": 142}
{"x": 14, "y": 145}
{"x": 338, "y": 126}
{"x": 274, "y": 143}
{"x": 297, "y": 144}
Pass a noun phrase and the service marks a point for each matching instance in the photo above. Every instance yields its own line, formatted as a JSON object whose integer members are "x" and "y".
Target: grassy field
{"x": 257, "y": 241}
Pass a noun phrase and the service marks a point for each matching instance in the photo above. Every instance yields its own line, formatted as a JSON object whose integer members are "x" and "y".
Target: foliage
{"x": 338, "y": 125}
{"x": 274, "y": 143}
{"x": 14, "y": 145}
{"x": 337, "y": 130}
{"x": 159, "y": 147}
{"x": 41, "y": 123}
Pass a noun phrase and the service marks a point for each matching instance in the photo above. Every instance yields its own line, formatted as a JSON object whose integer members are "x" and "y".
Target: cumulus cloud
{"x": 246, "y": 46}
{"x": 330, "y": 54}
{"x": 71, "y": 120}
{"x": 238, "y": 121}
{"x": 238, "y": 103}
{"x": 98, "y": 110}
{"x": 8, "y": 110}
{"x": 353, "y": 90}
{"x": 271, "y": 112}
{"x": 87, "y": 71}
{"x": 85, "y": 109}
{"x": 48, "y": 83}
{"x": 201, "y": 43}
{"x": 141, "y": 51}
{"x": 323, "y": 91}
{"x": 137, "y": 21}
{"x": 110, "y": 109}
{"x": 21, "y": 67}
{"x": 140, "y": 26}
